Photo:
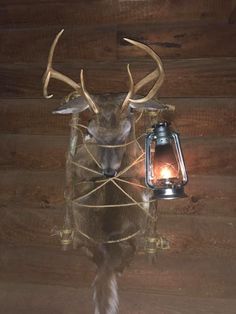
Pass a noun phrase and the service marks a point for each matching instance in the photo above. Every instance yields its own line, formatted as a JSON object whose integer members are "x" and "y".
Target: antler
{"x": 86, "y": 94}
{"x": 158, "y": 75}
{"x": 51, "y": 73}
{"x": 130, "y": 92}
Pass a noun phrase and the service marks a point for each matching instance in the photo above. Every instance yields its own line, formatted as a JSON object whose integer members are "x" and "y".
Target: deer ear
{"x": 75, "y": 105}
{"x": 151, "y": 105}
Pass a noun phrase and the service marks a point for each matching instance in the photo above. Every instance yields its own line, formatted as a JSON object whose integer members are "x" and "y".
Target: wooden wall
{"x": 197, "y": 43}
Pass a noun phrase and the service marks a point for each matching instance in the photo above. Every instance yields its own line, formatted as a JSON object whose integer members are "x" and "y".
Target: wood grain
{"x": 202, "y": 155}
{"x": 34, "y": 151}
{"x": 213, "y": 77}
{"x": 174, "y": 275}
{"x": 106, "y": 43}
{"x": 192, "y": 117}
{"x": 56, "y": 299}
{"x": 196, "y": 40}
{"x": 207, "y": 195}
{"x": 42, "y": 187}
{"x": 72, "y": 12}
{"x": 25, "y": 226}
{"x": 203, "y": 117}
{"x": 75, "y": 44}
{"x": 179, "y": 41}
{"x": 32, "y": 116}
{"x": 210, "y": 155}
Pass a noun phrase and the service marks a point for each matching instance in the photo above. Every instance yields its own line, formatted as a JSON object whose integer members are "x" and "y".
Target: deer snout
{"x": 109, "y": 172}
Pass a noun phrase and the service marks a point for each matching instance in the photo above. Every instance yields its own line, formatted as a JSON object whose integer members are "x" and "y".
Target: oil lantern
{"x": 165, "y": 169}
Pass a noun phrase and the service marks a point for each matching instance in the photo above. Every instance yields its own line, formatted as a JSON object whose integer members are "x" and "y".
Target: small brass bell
{"x": 153, "y": 244}
{"x": 66, "y": 237}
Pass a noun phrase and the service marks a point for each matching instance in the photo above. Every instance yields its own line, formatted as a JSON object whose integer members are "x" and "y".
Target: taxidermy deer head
{"x": 110, "y": 126}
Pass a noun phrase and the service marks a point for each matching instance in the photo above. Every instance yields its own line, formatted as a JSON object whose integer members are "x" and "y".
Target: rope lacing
{"x": 114, "y": 180}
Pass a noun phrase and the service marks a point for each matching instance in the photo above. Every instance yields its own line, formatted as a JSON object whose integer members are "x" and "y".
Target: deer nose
{"x": 109, "y": 172}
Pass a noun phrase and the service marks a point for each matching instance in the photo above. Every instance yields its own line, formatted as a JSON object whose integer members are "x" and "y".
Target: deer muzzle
{"x": 109, "y": 172}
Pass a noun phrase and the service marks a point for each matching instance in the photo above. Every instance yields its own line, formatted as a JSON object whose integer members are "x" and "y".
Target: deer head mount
{"x": 111, "y": 123}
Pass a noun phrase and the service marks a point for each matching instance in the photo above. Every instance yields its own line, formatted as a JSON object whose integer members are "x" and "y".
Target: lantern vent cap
{"x": 163, "y": 124}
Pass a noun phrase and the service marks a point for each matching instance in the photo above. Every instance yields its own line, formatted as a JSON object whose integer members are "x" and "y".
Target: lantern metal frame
{"x": 163, "y": 135}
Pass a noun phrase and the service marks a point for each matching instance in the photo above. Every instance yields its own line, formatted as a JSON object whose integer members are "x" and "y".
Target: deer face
{"x": 110, "y": 128}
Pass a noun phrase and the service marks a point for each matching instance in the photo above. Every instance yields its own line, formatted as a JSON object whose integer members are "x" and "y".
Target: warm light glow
{"x": 165, "y": 172}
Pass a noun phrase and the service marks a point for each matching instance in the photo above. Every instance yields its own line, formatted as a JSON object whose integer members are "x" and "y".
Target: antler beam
{"x": 131, "y": 90}
{"x": 158, "y": 75}
{"x": 92, "y": 104}
{"x": 51, "y": 73}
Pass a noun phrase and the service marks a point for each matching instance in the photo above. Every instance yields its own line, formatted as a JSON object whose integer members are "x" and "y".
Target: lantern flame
{"x": 165, "y": 172}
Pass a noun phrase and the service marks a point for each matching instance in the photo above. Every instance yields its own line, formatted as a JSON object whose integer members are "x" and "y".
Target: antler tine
{"x": 156, "y": 74}
{"x": 86, "y": 94}
{"x": 51, "y": 73}
{"x": 131, "y": 90}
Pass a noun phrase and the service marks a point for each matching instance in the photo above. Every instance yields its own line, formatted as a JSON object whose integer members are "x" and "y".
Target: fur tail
{"x": 105, "y": 294}
{"x": 111, "y": 260}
